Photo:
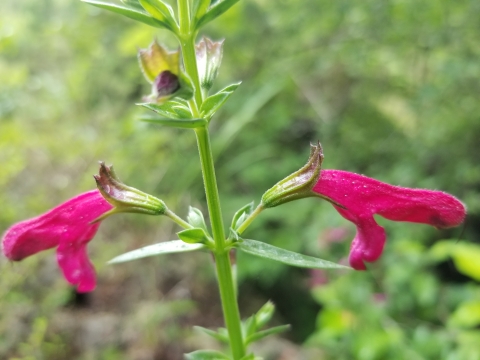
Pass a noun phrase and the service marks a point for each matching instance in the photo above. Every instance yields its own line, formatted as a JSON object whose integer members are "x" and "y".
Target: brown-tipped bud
{"x": 125, "y": 198}
{"x": 297, "y": 185}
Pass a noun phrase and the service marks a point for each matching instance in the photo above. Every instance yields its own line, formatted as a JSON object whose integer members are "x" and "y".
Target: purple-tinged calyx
{"x": 125, "y": 198}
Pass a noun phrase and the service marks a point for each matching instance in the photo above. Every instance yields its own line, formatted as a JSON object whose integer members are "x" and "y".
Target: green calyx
{"x": 125, "y": 198}
{"x": 297, "y": 185}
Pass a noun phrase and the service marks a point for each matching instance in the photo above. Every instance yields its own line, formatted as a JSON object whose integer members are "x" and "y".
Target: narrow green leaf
{"x": 193, "y": 236}
{"x": 214, "y": 102}
{"x": 128, "y": 11}
{"x": 134, "y": 4}
{"x": 206, "y": 355}
{"x": 196, "y": 219}
{"x": 264, "y": 333}
{"x": 182, "y": 124}
{"x": 249, "y": 326}
{"x": 182, "y": 112}
{"x": 160, "y": 11}
{"x": 168, "y": 247}
{"x": 271, "y": 252}
{"x": 264, "y": 315}
{"x": 165, "y": 109}
{"x": 199, "y": 9}
{"x": 216, "y": 335}
{"x": 216, "y": 10}
{"x": 242, "y": 214}
{"x": 251, "y": 357}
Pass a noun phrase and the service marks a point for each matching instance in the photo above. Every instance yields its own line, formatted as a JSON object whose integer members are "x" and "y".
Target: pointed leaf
{"x": 216, "y": 10}
{"x": 160, "y": 11}
{"x": 267, "y": 251}
{"x": 182, "y": 111}
{"x": 251, "y": 357}
{"x": 216, "y": 335}
{"x": 134, "y": 4}
{"x": 193, "y": 236}
{"x": 249, "y": 326}
{"x": 263, "y": 316}
{"x": 214, "y": 102}
{"x": 206, "y": 355}
{"x": 263, "y": 334}
{"x": 129, "y": 11}
{"x": 168, "y": 247}
{"x": 196, "y": 219}
{"x": 182, "y": 124}
{"x": 242, "y": 214}
{"x": 170, "y": 109}
{"x": 199, "y": 9}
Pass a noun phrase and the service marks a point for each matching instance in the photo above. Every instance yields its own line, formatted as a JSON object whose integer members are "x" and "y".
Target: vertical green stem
{"x": 222, "y": 258}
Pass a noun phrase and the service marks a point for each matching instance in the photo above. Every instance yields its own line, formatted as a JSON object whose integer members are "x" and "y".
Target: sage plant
{"x": 180, "y": 97}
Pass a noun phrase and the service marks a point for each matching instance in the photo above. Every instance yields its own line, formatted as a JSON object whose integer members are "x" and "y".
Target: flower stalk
{"x": 223, "y": 265}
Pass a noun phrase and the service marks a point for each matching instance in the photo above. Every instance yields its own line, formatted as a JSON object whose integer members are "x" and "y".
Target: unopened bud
{"x": 297, "y": 185}
{"x": 125, "y": 198}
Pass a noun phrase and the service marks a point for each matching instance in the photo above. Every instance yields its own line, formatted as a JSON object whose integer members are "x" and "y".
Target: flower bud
{"x": 162, "y": 69}
{"x": 125, "y": 198}
{"x": 299, "y": 184}
{"x": 209, "y": 56}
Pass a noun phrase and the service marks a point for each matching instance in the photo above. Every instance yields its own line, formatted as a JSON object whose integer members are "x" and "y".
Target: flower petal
{"x": 368, "y": 243}
{"x": 67, "y": 226}
{"x": 76, "y": 266}
{"x": 363, "y": 197}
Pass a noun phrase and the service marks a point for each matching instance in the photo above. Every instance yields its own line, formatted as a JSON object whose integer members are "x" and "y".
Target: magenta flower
{"x": 67, "y": 227}
{"x": 362, "y": 197}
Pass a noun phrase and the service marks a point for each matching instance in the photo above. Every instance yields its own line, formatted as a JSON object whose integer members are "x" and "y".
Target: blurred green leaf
{"x": 217, "y": 9}
{"x": 467, "y": 315}
{"x": 196, "y": 219}
{"x": 193, "y": 236}
{"x": 199, "y": 9}
{"x": 271, "y": 252}
{"x": 465, "y": 256}
{"x": 128, "y": 11}
{"x": 170, "y": 109}
{"x": 206, "y": 355}
{"x": 215, "y": 102}
{"x": 176, "y": 123}
{"x": 264, "y": 333}
{"x": 220, "y": 335}
{"x": 160, "y": 11}
{"x": 241, "y": 214}
{"x": 168, "y": 247}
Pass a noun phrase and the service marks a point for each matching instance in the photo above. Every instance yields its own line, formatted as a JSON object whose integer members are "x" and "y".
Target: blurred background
{"x": 390, "y": 88}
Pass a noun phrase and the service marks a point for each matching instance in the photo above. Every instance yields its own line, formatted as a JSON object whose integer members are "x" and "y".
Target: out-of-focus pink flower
{"x": 362, "y": 197}
{"x": 67, "y": 227}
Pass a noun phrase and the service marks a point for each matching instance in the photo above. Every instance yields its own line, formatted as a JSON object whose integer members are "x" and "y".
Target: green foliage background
{"x": 390, "y": 88}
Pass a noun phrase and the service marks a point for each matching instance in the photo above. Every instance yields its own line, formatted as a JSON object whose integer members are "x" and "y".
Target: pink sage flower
{"x": 67, "y": 227}
{"x": 362, "y": 197}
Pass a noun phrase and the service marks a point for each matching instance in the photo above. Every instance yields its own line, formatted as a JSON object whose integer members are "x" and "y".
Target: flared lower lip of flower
{"x": 363, "y": 197}
{"x": 67, "y": 227}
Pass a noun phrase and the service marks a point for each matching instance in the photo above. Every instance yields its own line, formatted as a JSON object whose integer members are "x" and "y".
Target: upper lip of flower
{"x": 363, "y": 197}
{"x": 67, "y": 227}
